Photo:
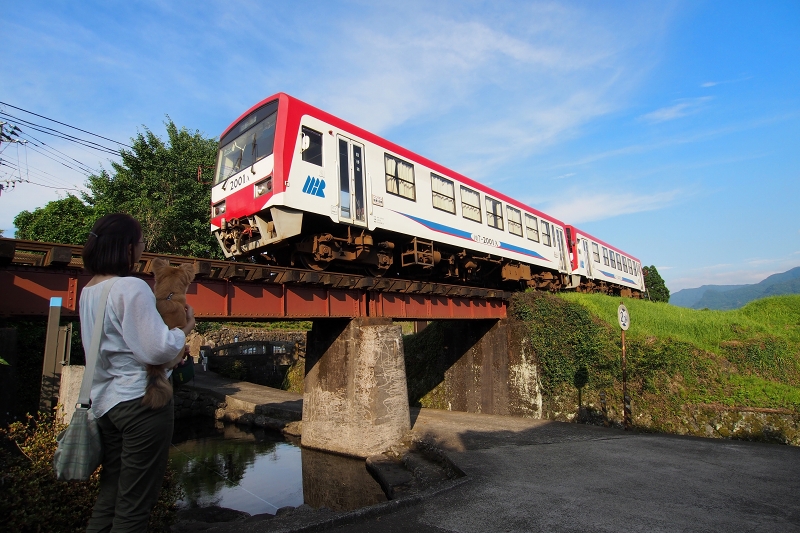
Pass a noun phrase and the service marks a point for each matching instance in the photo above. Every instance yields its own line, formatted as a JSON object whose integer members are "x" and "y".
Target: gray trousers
{"x": 136, "y": 443}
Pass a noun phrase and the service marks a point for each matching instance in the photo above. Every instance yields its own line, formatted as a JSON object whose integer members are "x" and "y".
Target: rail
{"x": 31, "y": 273}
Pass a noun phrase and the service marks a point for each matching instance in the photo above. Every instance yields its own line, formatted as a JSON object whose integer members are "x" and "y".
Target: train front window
{"x": 255, "y": 141}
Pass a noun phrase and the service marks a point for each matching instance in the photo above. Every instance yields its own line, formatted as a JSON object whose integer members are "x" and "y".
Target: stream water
{"x": 258, "y": 471}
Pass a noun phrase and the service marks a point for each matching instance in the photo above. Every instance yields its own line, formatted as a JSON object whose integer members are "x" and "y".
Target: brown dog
{"x": 170, "y": 290}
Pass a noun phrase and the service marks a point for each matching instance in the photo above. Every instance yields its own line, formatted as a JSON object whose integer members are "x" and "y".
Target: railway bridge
{"x": 355, "y": 399}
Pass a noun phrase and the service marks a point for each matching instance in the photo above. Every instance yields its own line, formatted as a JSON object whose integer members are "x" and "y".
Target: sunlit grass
{"x": 778, "y": 316}
{"x": 748, "y": 357}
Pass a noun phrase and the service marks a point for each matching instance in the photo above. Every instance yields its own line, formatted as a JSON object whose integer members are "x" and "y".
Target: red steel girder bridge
{"x": 32, "y": 273}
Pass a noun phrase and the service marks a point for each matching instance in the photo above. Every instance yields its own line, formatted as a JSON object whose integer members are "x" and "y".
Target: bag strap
{"x": 94, "y": 349}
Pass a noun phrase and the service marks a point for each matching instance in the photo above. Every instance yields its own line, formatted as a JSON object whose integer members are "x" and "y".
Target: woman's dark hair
{"x": 108, "y": 248}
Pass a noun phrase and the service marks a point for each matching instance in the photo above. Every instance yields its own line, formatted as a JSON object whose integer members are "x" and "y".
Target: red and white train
{"x": 295, "y": 185}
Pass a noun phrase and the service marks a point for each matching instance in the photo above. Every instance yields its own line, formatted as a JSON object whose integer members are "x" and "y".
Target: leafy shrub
{"x": 764, "y": 355}
{"x": 32, "y": 500}
{"x": 570, "y": 344}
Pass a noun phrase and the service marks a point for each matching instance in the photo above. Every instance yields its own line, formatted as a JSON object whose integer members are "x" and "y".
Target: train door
{"x": 559, "y": 234}
{"x": 352, "y": 188}
{"x": 587, "y": 257}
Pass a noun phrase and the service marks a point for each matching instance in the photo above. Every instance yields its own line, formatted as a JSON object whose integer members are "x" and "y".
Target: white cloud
{"x": 715, "y": 83}
{"x": 578, "y": 208}
{"x": 683, "y": 108}
{"x": 539, "y": 72}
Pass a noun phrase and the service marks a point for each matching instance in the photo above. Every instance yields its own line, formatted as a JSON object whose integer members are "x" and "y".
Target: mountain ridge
{"x": 724, "y": 297}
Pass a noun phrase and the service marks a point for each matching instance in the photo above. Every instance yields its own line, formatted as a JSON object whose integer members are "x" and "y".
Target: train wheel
{"x": 311, "y": 264}
{"x": 375, "y": 271}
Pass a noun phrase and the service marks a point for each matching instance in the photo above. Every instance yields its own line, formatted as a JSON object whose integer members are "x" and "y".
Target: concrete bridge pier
{"x": 355, "y": 400}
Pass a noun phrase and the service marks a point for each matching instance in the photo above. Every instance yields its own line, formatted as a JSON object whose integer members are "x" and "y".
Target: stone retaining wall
{"x": 226, "y": 335}
{"x": 193, "y": 403}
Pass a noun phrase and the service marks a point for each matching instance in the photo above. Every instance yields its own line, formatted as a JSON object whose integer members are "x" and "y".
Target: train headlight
{"x": 219, "y": 208}
{"x": 263, "y": 187}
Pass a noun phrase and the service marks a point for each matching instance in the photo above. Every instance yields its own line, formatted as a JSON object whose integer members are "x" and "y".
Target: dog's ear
{"x": 158, "y": 265}
{"x": 188, "y": 272}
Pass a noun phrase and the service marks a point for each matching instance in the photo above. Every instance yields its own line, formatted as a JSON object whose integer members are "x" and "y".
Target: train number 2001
{"x": 239, "y": 181}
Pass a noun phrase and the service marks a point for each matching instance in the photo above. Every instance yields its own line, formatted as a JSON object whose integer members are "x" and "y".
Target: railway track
{"x": 16, "y": 253}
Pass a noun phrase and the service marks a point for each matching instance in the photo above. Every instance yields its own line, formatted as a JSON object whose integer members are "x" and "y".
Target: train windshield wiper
{"x": 235, "y": 169}
{"x": 254, "y": 155}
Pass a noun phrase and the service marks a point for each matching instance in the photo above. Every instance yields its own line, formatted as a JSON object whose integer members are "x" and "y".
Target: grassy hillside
{"x": 709, "y": 373}
{"x": 749, "y": 357}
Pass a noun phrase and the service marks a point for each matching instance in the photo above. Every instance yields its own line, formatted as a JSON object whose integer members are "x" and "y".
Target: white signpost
{"x": 624, "y": 322}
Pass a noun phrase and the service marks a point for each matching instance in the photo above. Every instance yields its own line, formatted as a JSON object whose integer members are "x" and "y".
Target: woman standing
{"x": 135, "y": 438}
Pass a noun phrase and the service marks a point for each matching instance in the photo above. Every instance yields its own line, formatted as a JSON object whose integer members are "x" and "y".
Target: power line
{"x": 48, "y": 156}
{"x": 67, "y": 125}
{"x": 15, "y": 181}
{"x": 41, "y": 174}
{"x": 61, "y": 154}
{"x": 66, "y": 136}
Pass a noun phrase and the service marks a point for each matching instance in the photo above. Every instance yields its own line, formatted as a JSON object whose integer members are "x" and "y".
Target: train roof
{"x": 295, "y": 109}
{"x": 580, "y": 231}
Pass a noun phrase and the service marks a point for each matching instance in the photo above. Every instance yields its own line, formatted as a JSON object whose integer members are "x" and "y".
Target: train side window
{"x": 613, "y": 261}
{"x": 636, "y": 269}
{"x": 312, "y": 146}
{"x": 605, "y": 256}
{"x": 546, "y": 233}
{"x": 595, "y": 252}
{"x": 619, "y": 262}
{"x": 514, "y": 220}
{"x": 470, "y": 204}
{"x": 400, "y": 178}
{"x": 494, "y": 213}
{"x": 630, "y": 266}
{"x": 444, "y": 194}
{"x": 625, "y": 264}
{"x": 532, "y": 224}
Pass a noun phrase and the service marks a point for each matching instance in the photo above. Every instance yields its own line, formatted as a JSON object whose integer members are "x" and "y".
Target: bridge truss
{"x": 32, "y": 273}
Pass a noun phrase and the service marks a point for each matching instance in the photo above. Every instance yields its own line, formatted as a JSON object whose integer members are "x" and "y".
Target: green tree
{"x": 156, "y": 182}
{"x": 654, "y": 284}
{"x": 66, "y": 221}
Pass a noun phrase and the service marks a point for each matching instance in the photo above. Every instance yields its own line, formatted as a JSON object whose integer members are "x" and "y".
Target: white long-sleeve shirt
{"x": 134, "y": 335}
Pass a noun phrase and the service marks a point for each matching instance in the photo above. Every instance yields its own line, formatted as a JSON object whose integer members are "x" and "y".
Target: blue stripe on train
{"x": 441, "y": 228}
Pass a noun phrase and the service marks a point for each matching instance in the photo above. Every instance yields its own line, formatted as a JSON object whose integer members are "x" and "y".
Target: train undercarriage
{"x": 320, "y": 245}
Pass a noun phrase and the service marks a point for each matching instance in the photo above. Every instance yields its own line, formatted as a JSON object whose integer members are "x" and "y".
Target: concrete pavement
{"x": 530, "y": 475}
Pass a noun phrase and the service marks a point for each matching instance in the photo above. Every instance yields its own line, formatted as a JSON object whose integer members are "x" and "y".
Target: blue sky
{"x": 669, "y": 129}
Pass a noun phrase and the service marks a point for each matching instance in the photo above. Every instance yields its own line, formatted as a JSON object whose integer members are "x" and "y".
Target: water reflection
{"x": 337, "y": 482}
{"x": 258, "y": 471}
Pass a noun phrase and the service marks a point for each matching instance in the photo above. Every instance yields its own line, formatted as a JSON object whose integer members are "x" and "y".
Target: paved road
{"x": 528, "y": 475}
{"x": 566, "y": 478}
